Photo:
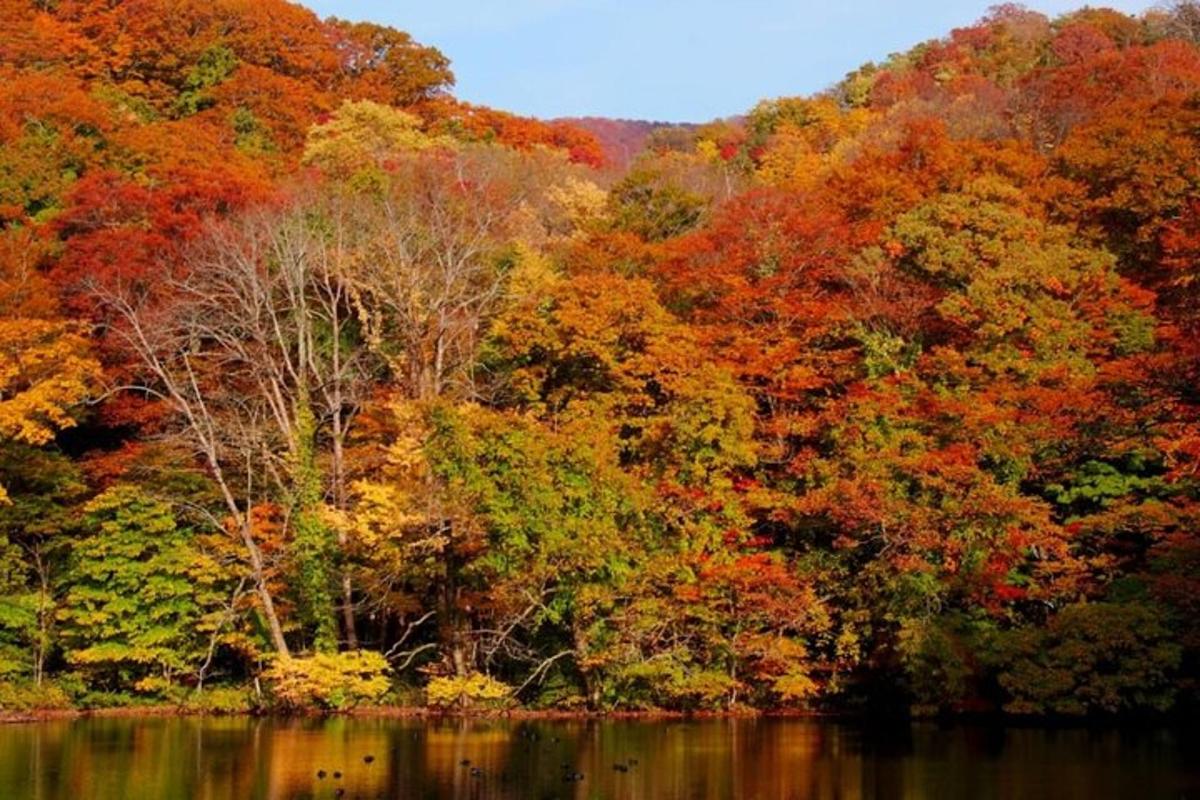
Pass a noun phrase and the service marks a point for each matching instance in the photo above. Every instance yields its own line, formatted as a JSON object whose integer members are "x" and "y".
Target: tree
{"x": 136, "y": 594}
{"x": 46, "y": 489}
{"x": 605, "y": 445}
{"x": 46, "y": 366}
{"x": 430, "y": 268}
{"x": 1091, "y": 657}
{"x": 257, "y": 350}
{"x": 363, "y": 137}
{"x": 387, "y": 66}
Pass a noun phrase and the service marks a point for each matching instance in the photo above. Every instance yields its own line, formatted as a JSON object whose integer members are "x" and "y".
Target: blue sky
{"x": 672, "y": 60}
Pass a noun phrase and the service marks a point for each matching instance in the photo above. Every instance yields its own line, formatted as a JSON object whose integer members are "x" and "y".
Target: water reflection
{"x": 217, "y": 759}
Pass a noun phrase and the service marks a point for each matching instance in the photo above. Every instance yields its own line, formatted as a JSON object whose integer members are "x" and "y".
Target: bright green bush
{"x": 97, "y": 699}
{"x": 328, "y": 681}
{"x": 475, "y": 690}
{"x": 137, "y": 591}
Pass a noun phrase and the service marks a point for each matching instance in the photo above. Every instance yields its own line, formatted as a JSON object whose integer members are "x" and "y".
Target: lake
{"x": 219, "y": 758}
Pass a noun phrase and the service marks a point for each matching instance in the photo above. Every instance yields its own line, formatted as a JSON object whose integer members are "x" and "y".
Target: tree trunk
{"x": 453, "y": 630}
{"x": 256, "y": 562}
{"x": 348, "y": 608}
{"x": 44, "y": 618}
{"x": 590, "y": 689}
{"x": 339, "y": 501}
{"x": 264, "y": 594}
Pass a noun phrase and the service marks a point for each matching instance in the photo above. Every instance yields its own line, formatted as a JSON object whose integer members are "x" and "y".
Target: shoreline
{"x": 550, "y": 715}
{"x": 405, "y": 712}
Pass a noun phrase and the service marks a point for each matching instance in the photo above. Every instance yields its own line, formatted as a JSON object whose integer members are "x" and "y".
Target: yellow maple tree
{"x": 46, "y": 368}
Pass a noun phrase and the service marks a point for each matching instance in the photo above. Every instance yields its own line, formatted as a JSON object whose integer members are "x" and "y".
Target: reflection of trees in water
{"x": 219, "y": 758}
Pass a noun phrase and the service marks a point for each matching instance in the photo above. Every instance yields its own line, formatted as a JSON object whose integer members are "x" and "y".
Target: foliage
{"x": 649, "y": 204}
{"x": 136, "y": 595}
{"x": 1091, "y": 658}
{"x": 473, "y": 691}
{"x": 44, "y": 371}
{"x": 313, "y": 545}
{"x": 940, "y": 663}
{"x": 47, "y": 368}
{"x": 221, "y": 700}
{"x": 362, "y": 136}
{"x": 27, "y": 696}
{"x": 45, "y": 490}
{"x": 329, "y": 681}
{"x": 881, "y": 395}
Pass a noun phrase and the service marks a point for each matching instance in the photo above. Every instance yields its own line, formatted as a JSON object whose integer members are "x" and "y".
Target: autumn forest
{"x": 321, "y": 388}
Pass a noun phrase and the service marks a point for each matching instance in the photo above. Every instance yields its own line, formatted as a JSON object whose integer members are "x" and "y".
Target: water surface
{"x": 271, "y": 759}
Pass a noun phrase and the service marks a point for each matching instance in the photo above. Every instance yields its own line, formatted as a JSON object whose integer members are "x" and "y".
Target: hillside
{"x": 146, "y": 87}
{"x": 318, "y": 380}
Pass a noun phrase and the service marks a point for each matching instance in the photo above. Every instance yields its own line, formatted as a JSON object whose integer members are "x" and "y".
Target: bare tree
{"x": 254, "y": 346}
{"x": 280, "y": 284}
{"x": 1182, "y": 19}
{"x": 429, "y": 274}
{"x": 174, "y": 363}
{"x": 268, "y": 337}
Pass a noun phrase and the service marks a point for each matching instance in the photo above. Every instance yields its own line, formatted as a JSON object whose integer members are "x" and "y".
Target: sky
{"x": 666, "y": 60}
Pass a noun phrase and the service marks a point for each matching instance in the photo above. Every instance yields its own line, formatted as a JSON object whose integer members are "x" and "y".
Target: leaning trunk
{"x": 264, "y": 594}
{"x": 256, "y": 562}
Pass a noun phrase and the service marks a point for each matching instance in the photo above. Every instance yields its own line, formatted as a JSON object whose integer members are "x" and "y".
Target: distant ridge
{"x": 620, "y": 139}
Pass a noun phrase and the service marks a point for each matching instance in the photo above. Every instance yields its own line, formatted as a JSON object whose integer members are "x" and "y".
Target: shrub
{"x": 558, "y": 691}
{"x": 701, "y": 688}
{"x": 795, "y": 687}
{"x": 96, "y": 699}
{"x": 475, "y": 690}
{"x": 28, "y": 696}
{"x": 671, "y": 683}
{"x": 220, "y": 700}
{"x": 1091, "y": 657}
{"x": 328, "y": 681}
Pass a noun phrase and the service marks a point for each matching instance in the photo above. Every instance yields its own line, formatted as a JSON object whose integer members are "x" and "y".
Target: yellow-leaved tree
{"x": 363, "y": 136}
{"x": 46, "y": 368}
